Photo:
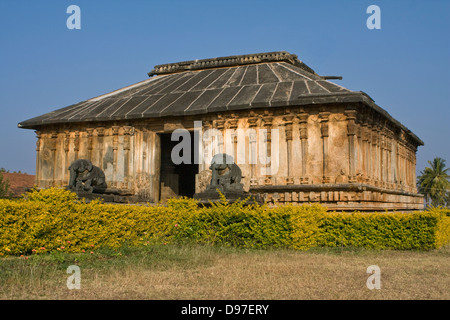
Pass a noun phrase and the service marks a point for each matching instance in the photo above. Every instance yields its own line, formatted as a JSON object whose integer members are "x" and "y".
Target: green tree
{"x": 434, "y": 183}
{"x": 4, "y": 187}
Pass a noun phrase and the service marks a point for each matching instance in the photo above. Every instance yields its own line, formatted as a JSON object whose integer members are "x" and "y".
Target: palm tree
{"x": 434, "y": 183}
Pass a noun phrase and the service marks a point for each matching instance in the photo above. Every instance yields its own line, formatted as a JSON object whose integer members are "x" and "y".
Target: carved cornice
{"x": 302, "y": 117}
{"x": 267, "y": 121}
{"x": 252, "y": 122}
{"x": 90, "y": 135}
{"x": 229, "y": 61}
{"x": 324, "y": 118}
{"x": 128, "y": 130}
{"x": 231, "y": 123}
{"x": 100, "y": 131}
{"x": 324, "y": 129}
{"x": 38, "y": 141}
{"x": 66, "y": 140}
{"x": 288, "y": 120}
{"x": 76, "y": 141}
{"x": 219, "y": 124}
{"x": 54, "y": 136}
{"x": 115, "y": 130}
{"x": 303, "y": 124}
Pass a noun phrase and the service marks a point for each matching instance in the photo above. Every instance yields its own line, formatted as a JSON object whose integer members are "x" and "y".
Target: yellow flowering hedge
{"x": 54, "y": 220}
{"x": 419, "y": 230}
{"x": 253, "y": 226}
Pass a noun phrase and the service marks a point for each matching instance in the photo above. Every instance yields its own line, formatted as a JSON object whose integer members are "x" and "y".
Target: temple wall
{"x": 308, "y": 148}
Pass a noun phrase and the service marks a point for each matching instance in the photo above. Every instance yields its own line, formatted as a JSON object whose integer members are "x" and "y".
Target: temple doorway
{"x": 176, "y": 180}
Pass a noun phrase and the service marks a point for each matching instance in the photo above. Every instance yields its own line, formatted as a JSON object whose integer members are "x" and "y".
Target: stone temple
{"x": 295, "y": 136}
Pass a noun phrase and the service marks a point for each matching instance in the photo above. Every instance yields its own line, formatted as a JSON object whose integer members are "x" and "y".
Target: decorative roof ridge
{"x": 230, "y": 61}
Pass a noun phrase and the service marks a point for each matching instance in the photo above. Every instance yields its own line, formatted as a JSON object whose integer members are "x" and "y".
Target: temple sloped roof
{"x": 211, "y": 85}
{"x": 203, "y": 86}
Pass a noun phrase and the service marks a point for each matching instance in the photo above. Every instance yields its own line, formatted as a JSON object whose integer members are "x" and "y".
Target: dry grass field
{"x": 201, "y": 272}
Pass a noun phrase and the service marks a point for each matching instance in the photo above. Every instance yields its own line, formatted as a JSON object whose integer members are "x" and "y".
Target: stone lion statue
{"x": 84, "y": 176}
{"x": 226, "y": 175}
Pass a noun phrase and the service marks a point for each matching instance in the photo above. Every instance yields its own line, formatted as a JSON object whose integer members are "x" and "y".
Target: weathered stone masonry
{"x": 333, "y": 145}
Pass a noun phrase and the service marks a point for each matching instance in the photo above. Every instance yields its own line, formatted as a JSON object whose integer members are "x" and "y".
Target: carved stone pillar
{"x": 406, "y": 166}
{"x": 145, "y": 151}
{"x": 66, "y": 141}
{"x": 232, "y": 125}
{"x": 220, "y": 125}
{"x": 382, "y": 157}
{"x": 409, "y": 168}
{"x": 127, "y": 132}
{"x": 53, "y": 147}
{"x": 359, "y": 153}
{"x": 206, "y": 145}
{"x": 115, "y": 132}
{"x": 397, "y": 165}
{"x": 100, "y": 140}
{"x": 403, "y": 164}
{"x": 365, "y": 151}
{"x": 414, "y": 171}
{"x": 389, "y": 162}
{"x": 252, "y": 141}
{"x": 369, "y": 154}
{"x": 38, "y": 150}
{"x": 288, "y": 131}
{"x": 268, "y": 143}
{"x": 374, "y": 155}
{"x": 303, "y": 128}
{"x": 379, "y": 157}
{"x": 324, "y": 117}
{"x": 76, "y": 144}
{"x": 351, "y": 134}
{"x": 90, "y": 135}
{"x": 66, "y": 154}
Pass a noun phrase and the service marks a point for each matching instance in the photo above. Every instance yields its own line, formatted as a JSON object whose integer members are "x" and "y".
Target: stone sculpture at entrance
{"x": 226, "y": 175}
{"x": 84, "y": 176}
{"x": 226, "y": 179}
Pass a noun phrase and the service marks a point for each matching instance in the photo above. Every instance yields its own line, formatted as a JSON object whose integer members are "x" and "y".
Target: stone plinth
{"x": 205, "y": 198}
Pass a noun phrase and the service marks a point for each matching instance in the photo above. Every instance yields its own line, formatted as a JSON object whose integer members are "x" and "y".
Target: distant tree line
{"x": 5, "y": 191}
{"x": 7, "y": 171}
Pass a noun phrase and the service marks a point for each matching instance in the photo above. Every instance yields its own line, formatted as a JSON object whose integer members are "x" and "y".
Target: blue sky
{"x": 404, "y": 66}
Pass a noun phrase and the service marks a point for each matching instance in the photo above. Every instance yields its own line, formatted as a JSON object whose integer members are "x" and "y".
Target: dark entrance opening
{"x": 176, "y": 179}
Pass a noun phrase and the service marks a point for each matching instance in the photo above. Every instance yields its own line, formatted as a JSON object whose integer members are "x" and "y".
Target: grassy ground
{"x": 204, "y": 272}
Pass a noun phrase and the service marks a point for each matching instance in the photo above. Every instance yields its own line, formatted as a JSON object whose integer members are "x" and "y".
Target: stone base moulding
{"x": 341, "y": 197}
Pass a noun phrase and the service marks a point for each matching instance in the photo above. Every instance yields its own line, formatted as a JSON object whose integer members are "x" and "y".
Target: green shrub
{"x": 234, "y": 224}
{"x": 442, "y": 226}
{"x": 54, "y": 220}
{"x": 56, "y": 196}
{"x": 417, "y": 230}
{"x": 41, "y": 223}
{"x": 5, "y": 191}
